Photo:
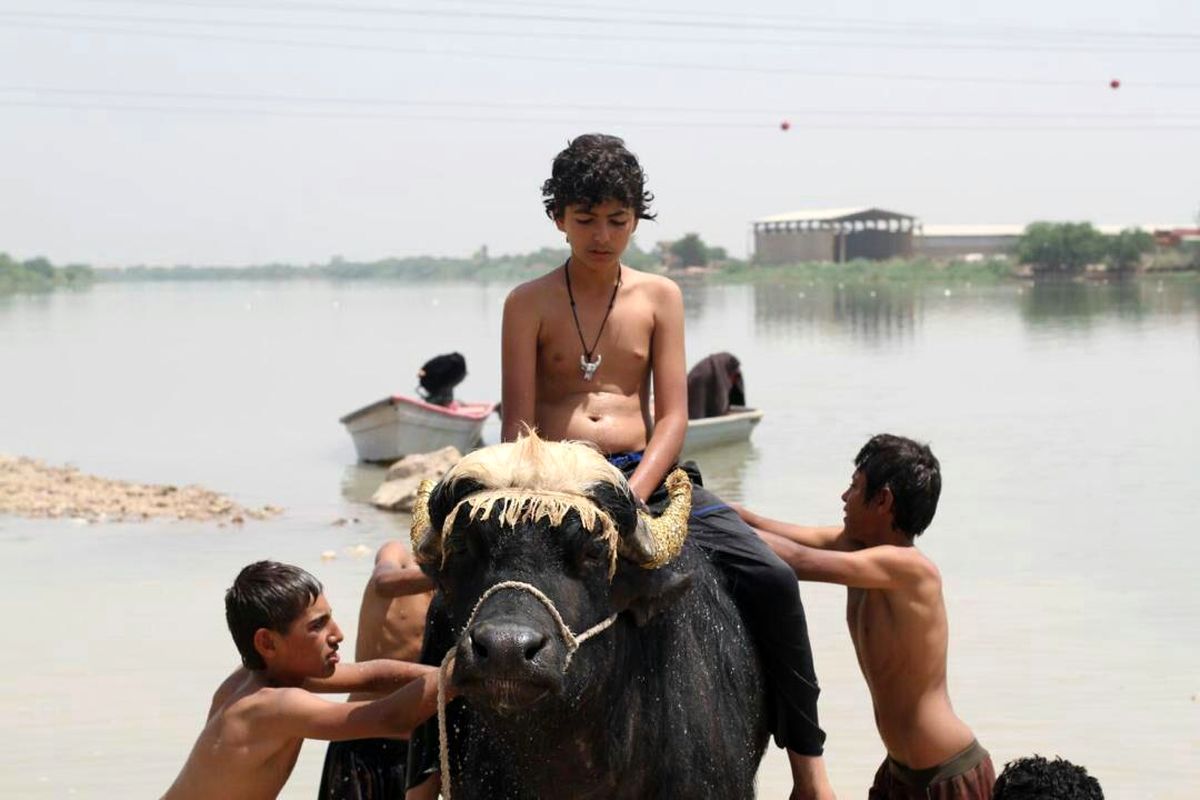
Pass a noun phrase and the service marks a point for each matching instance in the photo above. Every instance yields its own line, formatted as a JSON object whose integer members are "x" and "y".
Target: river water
{"x": 1065, "y": 418}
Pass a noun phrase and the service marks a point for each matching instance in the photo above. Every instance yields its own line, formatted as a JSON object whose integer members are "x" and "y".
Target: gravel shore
{"x": 30, "y": 488}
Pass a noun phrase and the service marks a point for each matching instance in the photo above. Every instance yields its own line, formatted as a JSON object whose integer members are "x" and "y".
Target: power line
{"x": 476, "y": 119}
{"x": 907, "y": 43}
{"x": 674, "y": 18}
{"x": 609, "y": 62}
{"x": 775, "y": 113}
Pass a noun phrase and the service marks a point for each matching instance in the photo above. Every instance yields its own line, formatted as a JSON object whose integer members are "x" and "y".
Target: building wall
{"x": 958, "y": 246}
{"x": 790, "y": 247}
{"x": 878, "y": 245}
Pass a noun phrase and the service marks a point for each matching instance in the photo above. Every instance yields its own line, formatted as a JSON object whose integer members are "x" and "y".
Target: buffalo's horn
{"x": 425, "y": 544}
{"x": 656, "y": 541}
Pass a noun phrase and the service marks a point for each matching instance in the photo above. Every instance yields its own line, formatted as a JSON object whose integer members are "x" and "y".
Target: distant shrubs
{"x": 39, "y": 275}
{"x": 1068, "y": 248}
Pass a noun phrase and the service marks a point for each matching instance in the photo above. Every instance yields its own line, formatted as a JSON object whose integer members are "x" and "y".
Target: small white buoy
{"x": 328, "y": 555}
{"x": 358, "y": 551}
{"x": 946, "y": 293}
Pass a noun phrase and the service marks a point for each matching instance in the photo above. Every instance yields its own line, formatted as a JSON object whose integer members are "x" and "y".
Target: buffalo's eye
{"x": 592, "y": 555}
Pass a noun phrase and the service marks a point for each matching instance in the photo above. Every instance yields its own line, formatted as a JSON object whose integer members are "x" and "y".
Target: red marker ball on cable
{"x": 785, "y": 125}
{"x": 1114, "y": 84}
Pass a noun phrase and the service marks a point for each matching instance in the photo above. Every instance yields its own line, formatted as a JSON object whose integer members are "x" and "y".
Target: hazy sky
{"x": 246, "y": 131}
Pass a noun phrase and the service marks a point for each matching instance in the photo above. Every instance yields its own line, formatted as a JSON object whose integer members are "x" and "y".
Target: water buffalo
{"x": 667, "y": 702}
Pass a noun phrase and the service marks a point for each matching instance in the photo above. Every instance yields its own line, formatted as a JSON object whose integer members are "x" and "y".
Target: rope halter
{"x": 572, "y": 641}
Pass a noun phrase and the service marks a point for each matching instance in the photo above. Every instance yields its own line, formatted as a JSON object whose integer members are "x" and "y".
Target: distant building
{"x": 833, "y": 234}
{"x": 958, "y": 241}
{"x": 844, "y": 234}
{"x": 945, "y": 242}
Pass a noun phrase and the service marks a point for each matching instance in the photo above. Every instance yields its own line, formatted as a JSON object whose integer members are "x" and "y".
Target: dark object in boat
{"x": 439, "y": 376}
{"x": 715, "y": 384}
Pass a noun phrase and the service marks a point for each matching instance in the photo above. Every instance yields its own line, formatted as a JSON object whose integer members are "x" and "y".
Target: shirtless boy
{"x": 262, "y": 713}
{"x": 897, "y": 618}
{"x": 391, "y": 623}
{"x": 579, "y": 349}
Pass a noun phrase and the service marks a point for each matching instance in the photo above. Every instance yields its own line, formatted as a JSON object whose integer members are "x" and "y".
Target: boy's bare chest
{"x": 621, "y": 346}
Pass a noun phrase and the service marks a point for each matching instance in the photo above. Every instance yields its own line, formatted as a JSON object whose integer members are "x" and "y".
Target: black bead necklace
{"x": 589, "y": 362}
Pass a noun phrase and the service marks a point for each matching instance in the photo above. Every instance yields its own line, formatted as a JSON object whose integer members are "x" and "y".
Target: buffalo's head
{"x": 557, "y": 518}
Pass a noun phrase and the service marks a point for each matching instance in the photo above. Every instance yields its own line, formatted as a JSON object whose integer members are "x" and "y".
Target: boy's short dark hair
{"x": 594, "y": 168}
{"x": 268, "y": 595}
{"x": 911, "y": 471}
{"x": 1035, "y": 778}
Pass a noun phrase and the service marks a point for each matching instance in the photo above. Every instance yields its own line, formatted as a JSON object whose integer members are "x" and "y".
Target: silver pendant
{"x": 589, "y": 367}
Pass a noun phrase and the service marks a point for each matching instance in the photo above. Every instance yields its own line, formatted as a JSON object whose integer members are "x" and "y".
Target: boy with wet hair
{"x": 262, "y": 713}
{"x": 581, "y": 348}
{"x": 897, "y": 618}
{"x": 1036, "y": 778}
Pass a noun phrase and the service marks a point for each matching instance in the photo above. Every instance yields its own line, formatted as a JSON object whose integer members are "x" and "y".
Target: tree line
{"x": 39, "y": 275}
{"x": 1068, "y": 248}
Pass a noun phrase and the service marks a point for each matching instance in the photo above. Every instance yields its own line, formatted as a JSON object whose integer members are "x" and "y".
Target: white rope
{"x": 573, "y": 642}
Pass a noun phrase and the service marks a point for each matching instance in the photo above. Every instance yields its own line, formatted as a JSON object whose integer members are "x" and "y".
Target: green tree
{"x": 690, "y": 250}
{"x": 1125, "y": 250}
{"x": 1062, "y": 247}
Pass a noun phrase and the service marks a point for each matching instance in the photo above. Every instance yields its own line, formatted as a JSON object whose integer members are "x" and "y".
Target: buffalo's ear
{"x": 646, "y": 592}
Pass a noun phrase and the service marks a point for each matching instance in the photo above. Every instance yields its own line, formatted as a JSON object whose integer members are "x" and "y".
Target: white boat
{"x": 726, "y": 429}
{"x": 397, "y": 426}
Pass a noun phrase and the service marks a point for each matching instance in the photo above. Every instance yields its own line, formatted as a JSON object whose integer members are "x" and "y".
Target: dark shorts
{"x": 364, "y": 769}
{"x": 966, "y": 776}
{"x": 768, "y": 596}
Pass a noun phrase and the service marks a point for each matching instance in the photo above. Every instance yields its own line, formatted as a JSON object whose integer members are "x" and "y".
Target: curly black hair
{"x": 1035, "y": 778}
{"x": 594, "y": 168}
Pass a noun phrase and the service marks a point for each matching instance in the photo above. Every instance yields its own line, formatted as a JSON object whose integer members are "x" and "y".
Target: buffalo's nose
{"x": 500, "y": 644}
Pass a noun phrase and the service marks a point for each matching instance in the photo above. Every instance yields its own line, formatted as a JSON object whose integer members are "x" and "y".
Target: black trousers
{"x": 364, "y": 769}
{"x": 768, "y": 596}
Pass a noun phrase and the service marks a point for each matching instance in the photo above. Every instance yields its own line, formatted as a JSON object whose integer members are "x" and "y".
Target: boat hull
{"x": 735, "y": 426}
{"x": 397, "y": 426}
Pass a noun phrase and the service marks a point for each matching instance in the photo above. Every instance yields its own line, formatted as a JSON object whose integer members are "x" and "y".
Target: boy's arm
{"x": 395, "y": 581}
{"x": 396, "y": 574}
{"x": 824, "y": 537}
{"x": 296, "y": 713}
{"x": 518, "y": 364}
{"x": 668, "y": 365}
{"x": 879, "y": 567}
{"x": 376, "y": 675}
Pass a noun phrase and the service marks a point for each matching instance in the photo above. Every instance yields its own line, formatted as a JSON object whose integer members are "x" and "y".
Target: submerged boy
{"x": 262, "y": 713}
{"x": 579, "y": 349}
{"x": 897, "y": 618}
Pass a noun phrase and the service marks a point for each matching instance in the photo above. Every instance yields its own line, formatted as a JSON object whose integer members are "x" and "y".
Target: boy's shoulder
{"x": 246, "y": 695}
{"x": 648, "y": 280}
{"x": 536, "y": 287}
{"x": 918, "y": 569}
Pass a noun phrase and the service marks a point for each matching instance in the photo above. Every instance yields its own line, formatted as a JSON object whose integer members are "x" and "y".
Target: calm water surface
{"x": 1064, "y": 416}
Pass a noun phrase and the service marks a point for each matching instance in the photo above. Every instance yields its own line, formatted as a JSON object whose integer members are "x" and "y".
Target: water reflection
{"x": 1076, "y": 302}
{"x": 359, "y": 481}
{"x": 867, "y": 313}
{"x": 724, "y": 468}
